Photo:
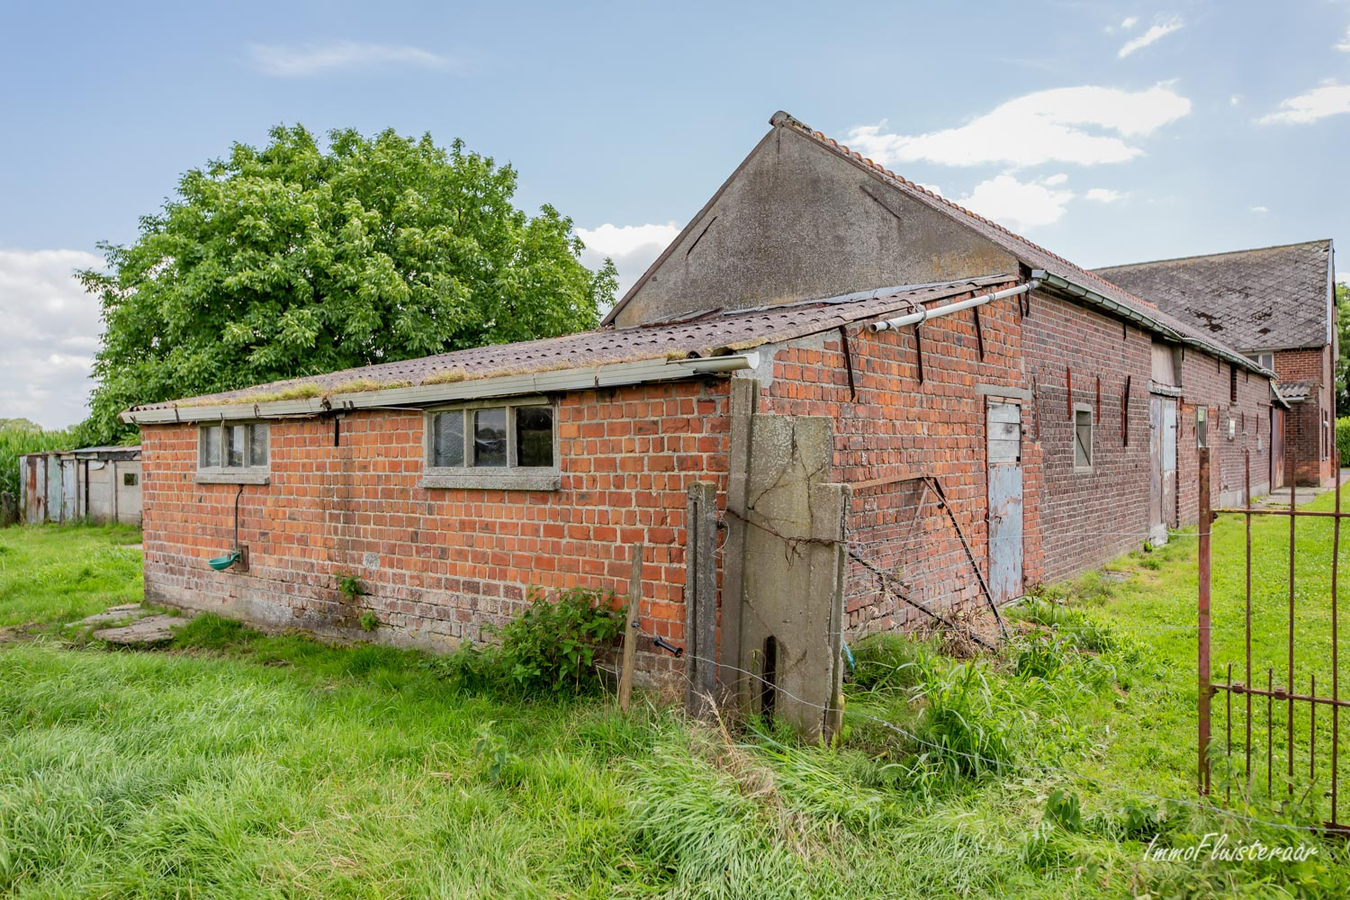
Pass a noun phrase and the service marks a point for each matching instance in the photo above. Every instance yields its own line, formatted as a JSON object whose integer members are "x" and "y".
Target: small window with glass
{"x": 1082, "y": 438}
{"x": 504, "y": 444}
{"x": 236, "y": 452}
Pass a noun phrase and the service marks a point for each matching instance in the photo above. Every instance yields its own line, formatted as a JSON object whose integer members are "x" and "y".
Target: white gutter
{"x": 925, "y": 314}
{"x": 571, "y": 379}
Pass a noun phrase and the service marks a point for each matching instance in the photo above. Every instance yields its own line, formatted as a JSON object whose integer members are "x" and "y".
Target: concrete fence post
{"x": 700, "y": 593}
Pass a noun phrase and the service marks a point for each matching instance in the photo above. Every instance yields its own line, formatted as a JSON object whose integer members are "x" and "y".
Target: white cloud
{"x": 1021, "y": 205}
{"x": 1129, "y": 22}
{"x": 53, "y": 330}
{"x": 1154, "y": 34}
{"x": 1104, "y": 195}
{"x": 1045, "y": 126}
{"x": 632, "y": 247}
{"x": 312, "y": 58}
{"x": 1235, "y": 100}
{"x": 1344, "y": 45}
{"x": 1328, "y": 100}
{"x": 1258, "y": 209}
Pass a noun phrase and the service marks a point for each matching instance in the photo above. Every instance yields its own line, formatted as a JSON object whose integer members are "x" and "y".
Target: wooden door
{"x": 1004, "y": 464}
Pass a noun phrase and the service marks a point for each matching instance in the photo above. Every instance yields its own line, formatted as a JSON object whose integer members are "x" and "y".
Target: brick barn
{"x": 836, "y": 404}
{"x": 1278, "y": 306}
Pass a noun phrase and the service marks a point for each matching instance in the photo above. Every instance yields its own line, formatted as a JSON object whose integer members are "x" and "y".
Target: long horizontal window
{"x": 233, "y": 451}
{"x": 506, "y": 444}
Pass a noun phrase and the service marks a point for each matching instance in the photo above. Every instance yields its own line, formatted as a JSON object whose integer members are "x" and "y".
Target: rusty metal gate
{"x": 1280, "y": 723}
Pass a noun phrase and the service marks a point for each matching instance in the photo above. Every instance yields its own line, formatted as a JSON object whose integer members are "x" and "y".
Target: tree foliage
{"x": 1343, "y": 337}
{"x": 295, "y": 260}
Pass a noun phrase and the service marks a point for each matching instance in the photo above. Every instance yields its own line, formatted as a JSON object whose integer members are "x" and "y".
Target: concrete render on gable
{"x": 796, "y": 222}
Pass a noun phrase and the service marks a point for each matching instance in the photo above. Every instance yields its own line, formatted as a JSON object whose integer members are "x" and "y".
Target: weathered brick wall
{"x": 1088, "y": 517}
{"x": 439, "y": 564}
{"x": 1307, "y": 459}
{"x": 1205, "y": 381}
{"x": 897, "y": 432}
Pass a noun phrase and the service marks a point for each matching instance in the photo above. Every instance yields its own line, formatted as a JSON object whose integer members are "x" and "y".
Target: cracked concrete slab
{"x": 145, "y": 631}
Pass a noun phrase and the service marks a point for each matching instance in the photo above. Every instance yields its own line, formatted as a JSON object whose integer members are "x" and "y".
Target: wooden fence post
{"x": 630, "y": 632}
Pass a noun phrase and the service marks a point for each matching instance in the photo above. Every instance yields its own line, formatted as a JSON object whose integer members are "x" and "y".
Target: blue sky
{"x": 1108, "y": 132}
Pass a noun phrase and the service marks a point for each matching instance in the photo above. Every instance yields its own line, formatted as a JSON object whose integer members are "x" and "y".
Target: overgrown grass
{"x": 237, "y": 764}
{"x": 52, "y": 573}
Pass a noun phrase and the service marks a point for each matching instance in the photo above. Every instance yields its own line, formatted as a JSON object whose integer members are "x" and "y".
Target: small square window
{"x": 1082, "y": 439}
{"x": 129, "y": 479}
{"x": 234, "y": 452}
{"x": 234, "y": 446}
{"x": 448, "y": 439}
{"x": 257, "y": 444}
{"x": 507, "y": 445}
{"x": 534, "y": 436}
{"x": 489, "y": 438}
{"x": 208, "y": 445}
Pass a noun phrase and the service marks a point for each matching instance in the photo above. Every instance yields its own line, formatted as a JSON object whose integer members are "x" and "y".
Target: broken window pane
{"x": 208, "y": 444}
{"x": 534, "y": 436}
{"x": 257, "y": 445}
{"x": 234, "y": 446}
{"x": 489, "y": 437}
{"x": 448, "y": 439}
{"x": 1082, "y": 438}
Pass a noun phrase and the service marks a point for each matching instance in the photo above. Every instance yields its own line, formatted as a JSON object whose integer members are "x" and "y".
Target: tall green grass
{"x": 239, "y": 764}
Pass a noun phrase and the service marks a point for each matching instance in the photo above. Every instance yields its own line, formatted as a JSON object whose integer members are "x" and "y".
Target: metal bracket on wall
{"x": 848, "y": 362}
{"x": 918, "y": 350}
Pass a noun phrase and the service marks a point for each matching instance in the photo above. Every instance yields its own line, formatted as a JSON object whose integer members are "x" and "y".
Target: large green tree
{"x": 298, "y": 259}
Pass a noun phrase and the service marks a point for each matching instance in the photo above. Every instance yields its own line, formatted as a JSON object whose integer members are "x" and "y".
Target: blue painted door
{"x": 1004, "y": 464}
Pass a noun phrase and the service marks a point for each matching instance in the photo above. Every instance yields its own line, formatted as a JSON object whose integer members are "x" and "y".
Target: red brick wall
{"x": 439, "y": 564}
{"x": 1205, "y": 381}
{"x": 898, "y": 430}
{"x": 1307, "y": 455}
{"x": 1088, "y": 517}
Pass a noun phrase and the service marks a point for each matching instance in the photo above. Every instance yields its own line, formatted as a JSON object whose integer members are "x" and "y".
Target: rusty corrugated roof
{"x": 707, "y": 334}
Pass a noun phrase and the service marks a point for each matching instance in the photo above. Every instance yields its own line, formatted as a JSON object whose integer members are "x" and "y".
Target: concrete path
{"x": 1280, "y": 496}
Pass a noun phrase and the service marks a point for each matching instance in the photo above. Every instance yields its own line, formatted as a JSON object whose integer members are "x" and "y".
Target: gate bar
{"x": 1247, "y": 461}
{"x": 1289, "y": 716}
{"x": 1205, "y": 692}
{"x": 1335, "y": 641}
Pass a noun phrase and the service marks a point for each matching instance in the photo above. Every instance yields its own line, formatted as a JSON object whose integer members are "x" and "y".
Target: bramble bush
{"x": 550, "y": 647}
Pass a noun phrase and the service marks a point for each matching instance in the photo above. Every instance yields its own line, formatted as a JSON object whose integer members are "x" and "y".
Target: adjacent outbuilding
{"x": 100, "y": 484}
{"x": 1278, "y": 306}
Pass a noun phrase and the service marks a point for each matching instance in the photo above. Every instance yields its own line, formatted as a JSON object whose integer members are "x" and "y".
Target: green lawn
{"x": 240, "y": 765}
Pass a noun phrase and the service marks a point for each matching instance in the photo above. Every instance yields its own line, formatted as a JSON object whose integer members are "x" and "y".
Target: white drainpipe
{"x": 924, "y": 314}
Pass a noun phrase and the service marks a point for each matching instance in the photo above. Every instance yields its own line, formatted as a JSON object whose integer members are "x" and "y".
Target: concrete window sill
{"x": 502, "y": 481}
{"x": 225, "y": 476}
